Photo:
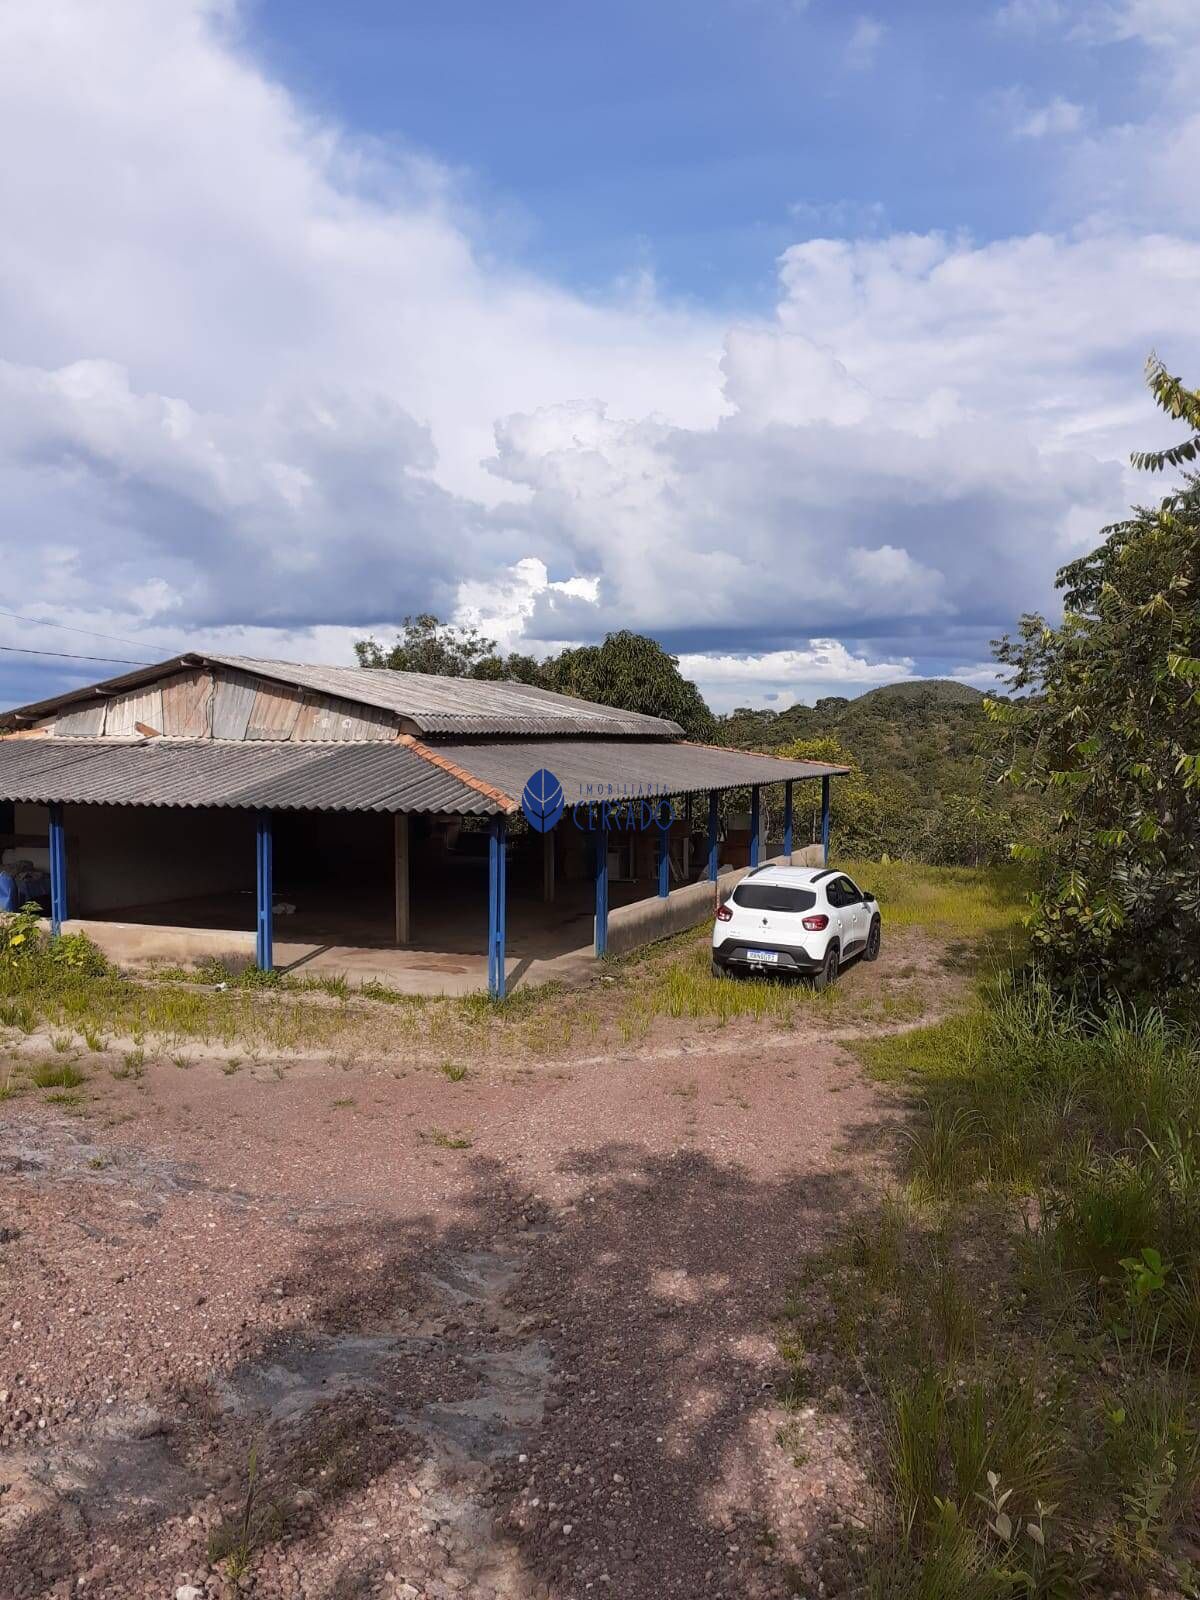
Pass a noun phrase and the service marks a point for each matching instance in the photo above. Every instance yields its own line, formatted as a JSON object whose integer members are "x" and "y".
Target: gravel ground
{"x": 376, "y": 1332}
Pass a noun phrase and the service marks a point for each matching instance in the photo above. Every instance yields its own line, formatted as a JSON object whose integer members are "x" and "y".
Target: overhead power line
{"x": 66, "y": 627}
{"x": 62, "y": 655}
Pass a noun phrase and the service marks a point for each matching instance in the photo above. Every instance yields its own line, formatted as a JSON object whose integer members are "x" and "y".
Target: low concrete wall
{"x": 133, "y": 943}
{"x": 655, "y": 918}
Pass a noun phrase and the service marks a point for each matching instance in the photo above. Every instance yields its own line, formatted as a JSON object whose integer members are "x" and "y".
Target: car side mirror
{"x": 867, "y": 895}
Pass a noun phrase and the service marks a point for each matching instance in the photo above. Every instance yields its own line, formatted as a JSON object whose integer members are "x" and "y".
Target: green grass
{"x": 445, "y": 1141}
{"x": 12, "y": 1083}
{"x": 18, "y": 1014}
{"x": 275, "y": 1014}
{"x": 56, "y": 1075}
{"x": 1025, "y": 1317}
{"x": 968, "y": 901}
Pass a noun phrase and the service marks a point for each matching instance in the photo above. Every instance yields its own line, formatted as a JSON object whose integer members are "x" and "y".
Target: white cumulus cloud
{"x": 1057, "y": 116}
{"x": 263, "y": 385}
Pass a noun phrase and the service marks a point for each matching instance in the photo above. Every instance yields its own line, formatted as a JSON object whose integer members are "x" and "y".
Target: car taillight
{"x": 815, "y": 924}
{"x": 724, "y": 914}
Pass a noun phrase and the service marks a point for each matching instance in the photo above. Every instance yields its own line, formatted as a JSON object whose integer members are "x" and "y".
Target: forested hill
{"x": 898, "y": 726}
{"x": 916, "y": 743}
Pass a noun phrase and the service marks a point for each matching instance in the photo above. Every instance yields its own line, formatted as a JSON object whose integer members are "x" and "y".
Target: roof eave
{"x": 106, "y": 687}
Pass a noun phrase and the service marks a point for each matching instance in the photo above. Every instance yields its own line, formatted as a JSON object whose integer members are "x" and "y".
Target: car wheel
{"x": 874, "y": 941}
{"x": 829, "y": 970}
{"x": 718, "y": 971}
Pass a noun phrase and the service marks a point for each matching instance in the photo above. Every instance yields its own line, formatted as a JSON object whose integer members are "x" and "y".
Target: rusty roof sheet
{"x": 283, "y": 777}
{"x": 432, "y": 704}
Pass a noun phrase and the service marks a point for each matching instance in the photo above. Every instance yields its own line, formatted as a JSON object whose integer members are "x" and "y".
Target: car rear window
{"x": 773, "y": 897}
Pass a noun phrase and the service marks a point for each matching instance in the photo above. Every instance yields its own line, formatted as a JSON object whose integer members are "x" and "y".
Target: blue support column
{"x": 664, "y": 849}
{"x": 264, "y": 949}
{"x": 787, "y": 819}
{"x": 58, "y": 870}
{"x": 755, "y": 823}
{"x": 825, "y": 820}
{"x": 497, "y": 905}
{"x": 600, "y": 839}
{"x": 712, "y": 836}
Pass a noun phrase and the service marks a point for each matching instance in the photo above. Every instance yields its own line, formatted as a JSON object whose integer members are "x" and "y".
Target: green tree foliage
{"x": 923, "y": 785}
{"x": 1109, "y": 728}
{"x": 1181, "y": 404}
{"x": 427, "y": 645}
{"x": 628, "y": 670}
{"x": 859, "y": 822}
{"x": 635, "y": 673}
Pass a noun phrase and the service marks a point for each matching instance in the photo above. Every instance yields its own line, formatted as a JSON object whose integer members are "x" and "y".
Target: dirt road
{"x": 380, "y": 1332}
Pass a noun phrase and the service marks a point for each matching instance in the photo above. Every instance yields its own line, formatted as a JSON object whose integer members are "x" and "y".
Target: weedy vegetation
{"x": 236, "y": 1540}
{"x": 443, "y": 1140}
{"x": 67, "y": 988}
{"x": 51, "y": 1074}
{"x": 1020, "y": 1323}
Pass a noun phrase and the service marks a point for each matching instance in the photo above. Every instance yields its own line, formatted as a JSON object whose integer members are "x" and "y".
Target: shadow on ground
{"x": 547, "y": 1397}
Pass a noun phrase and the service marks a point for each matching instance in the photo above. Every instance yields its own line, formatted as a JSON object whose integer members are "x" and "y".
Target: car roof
{"x": 794, "y": 877}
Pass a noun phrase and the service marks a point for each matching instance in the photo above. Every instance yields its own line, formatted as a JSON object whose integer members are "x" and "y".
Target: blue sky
{"x": 807, "y": 338}
{"x": 690, "y": 138}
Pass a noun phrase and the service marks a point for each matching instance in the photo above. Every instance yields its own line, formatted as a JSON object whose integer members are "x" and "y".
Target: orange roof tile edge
{"x": 435, "y": 758}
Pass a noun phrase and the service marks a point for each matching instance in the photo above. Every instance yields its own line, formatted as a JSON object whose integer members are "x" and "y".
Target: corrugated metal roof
{"x": 458, "y": 705}
{"x": 284, "y": 777}
{"x": 430, "y": 703}
{"x": 369, "y": 776}
{"x": 672, "y": 767}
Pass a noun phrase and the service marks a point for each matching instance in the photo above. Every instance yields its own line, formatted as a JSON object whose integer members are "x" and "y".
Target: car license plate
{"x": 762, "y": 955}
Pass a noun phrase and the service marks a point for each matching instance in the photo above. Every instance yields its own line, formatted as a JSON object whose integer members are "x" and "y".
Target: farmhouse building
{"x": 369, "y": 822}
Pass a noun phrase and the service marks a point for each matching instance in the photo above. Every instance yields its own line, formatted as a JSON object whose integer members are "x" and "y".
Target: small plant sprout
{"x": 444, "y": 1140}
{"x": 1145, "y": 1275}
{"x": 234, "y": 1542}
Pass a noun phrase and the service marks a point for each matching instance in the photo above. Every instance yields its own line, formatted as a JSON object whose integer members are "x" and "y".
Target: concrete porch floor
{"x": 340, "y": 934}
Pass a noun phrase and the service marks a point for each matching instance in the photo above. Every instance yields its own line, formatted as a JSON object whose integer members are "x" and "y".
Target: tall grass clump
{"x": 1024, "y": 1326}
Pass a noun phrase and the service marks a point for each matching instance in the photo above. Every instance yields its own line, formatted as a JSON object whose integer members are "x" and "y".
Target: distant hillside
{"x": 925, "y": 691}
{"x": 917, "y": 743}
{"x": 890, "y": 730}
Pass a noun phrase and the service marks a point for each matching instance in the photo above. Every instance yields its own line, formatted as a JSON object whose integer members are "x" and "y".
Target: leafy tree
{"x": 859, "y": 822}
{"x": 966, "y": 831}
{"x": 1181, "y": 404}
{"x": 428, "y": 645}
{"x": 633, "y": 672}
{"x": 920, "y": 789}
{"x": 1109, "y": 727}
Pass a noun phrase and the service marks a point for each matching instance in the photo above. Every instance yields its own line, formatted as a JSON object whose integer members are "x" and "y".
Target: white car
{"x": 795, "y": 920}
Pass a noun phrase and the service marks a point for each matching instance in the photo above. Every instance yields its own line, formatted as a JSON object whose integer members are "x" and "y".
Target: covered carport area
{"x": 408, "y": 862}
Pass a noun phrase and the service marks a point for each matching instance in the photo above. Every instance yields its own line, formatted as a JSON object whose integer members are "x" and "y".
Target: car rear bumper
{"x": 792, "y": 957}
